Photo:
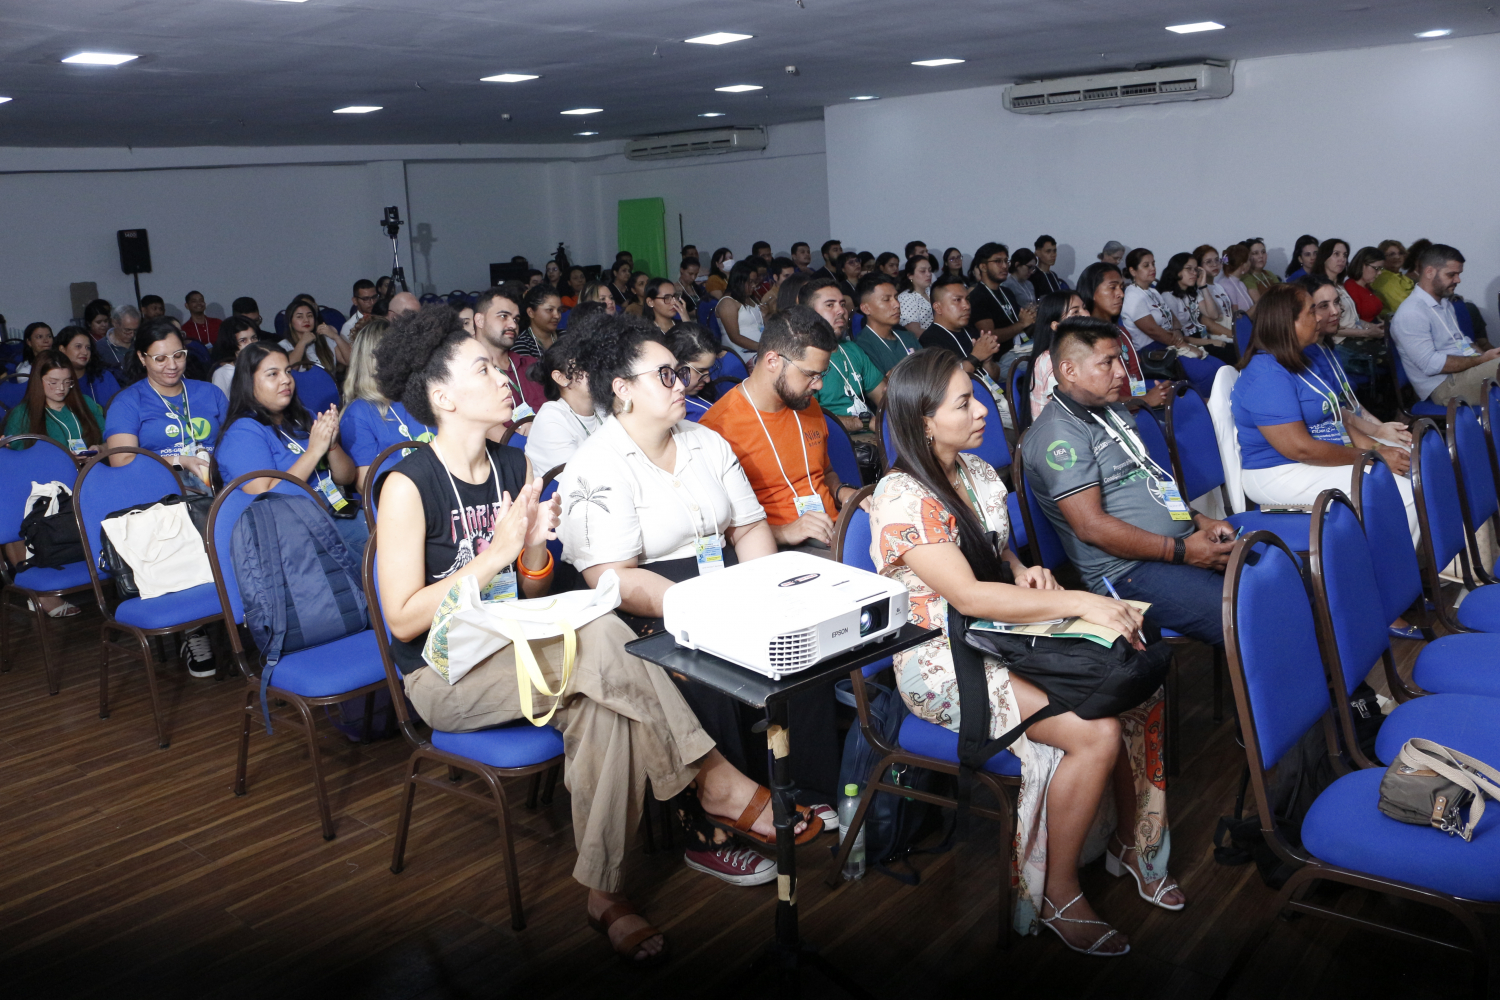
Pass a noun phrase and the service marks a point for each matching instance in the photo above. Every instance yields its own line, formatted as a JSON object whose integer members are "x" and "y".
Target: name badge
{"x": 521, "y": 411}
{"x": 808, "y": 505}
{"x": 710, "y": 553}
{"x": 332, "y": 493}
{"x": 75, "y": 445}
{"x": 1137, "y": 387}
{"x": 1330, "y": 432}
{"x": 1470, "y": 351}
{"x": 1175, "y": 504}
{"x": 501, "y": 588}
{"x": 989, "y": 383}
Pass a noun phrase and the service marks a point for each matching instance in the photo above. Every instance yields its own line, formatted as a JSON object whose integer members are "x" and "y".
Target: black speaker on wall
{"x": 135, "y": 251}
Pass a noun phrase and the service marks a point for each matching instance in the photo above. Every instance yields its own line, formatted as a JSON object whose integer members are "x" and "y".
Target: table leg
{"x": 784, "y": 810}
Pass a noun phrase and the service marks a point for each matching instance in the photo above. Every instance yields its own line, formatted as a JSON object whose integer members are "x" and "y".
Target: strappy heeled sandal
{"x": 1117, "y": 867}
{"x": 1093, "y": 949}
{"x": 630, "y": 945}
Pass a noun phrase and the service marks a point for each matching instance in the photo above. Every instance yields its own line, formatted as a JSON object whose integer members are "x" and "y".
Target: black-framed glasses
{"x": 667, "y": 374}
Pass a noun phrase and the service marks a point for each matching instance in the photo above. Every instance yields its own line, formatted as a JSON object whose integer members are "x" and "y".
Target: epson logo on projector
{"x": 838, "y": 633}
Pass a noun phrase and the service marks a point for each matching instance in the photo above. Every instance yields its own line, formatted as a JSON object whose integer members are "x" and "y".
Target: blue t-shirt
{"x": 249, "y": 446}
{"x": 157, "y": 421}
{"x": 1266, "y": 395}
{"x": 696, "y": 408}
{"x": 364, "y": 433}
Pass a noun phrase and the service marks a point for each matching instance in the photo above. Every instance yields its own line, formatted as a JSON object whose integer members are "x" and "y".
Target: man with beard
{"x": 773, "y": 422}
{"x": 497, "y": 318}
{"x": 802, "y": 257}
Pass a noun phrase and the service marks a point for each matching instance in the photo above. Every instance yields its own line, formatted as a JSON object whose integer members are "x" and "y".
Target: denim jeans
{"x": 1185, "y": 599}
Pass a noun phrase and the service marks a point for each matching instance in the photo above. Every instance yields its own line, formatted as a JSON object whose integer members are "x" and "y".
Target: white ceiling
{"x": 268, "y": 72}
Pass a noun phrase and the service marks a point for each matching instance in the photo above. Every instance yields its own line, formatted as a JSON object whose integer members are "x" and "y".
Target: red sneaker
{"x": 735, "y": 865}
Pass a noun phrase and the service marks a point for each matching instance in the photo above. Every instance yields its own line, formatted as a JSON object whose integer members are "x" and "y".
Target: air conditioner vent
{"x": 793, "y": 650}
{"x": 1118, "y": 90}
{"x": 704, "y": 143}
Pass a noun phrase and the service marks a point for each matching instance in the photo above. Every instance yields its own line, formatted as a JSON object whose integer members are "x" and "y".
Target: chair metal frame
{"x": 492, "y": 797}
{"x": 515, "y": 429}
{"x": 374, "y": 471}
{"x": 303, "y": 718}
{"x": 1426, "y": 557}
{"x": 142, "y": 636}
{"x": 1019, "y": 403}
{"x": 1476, "y": 567}
{"x": 1310, "y": 869}
{"x": 8, "y": 587}
{"x": 1006, "y": 789}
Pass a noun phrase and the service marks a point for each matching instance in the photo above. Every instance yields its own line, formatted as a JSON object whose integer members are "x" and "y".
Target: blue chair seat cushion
{"x": 334, "y": 667}
{"x": 1422, "y": 408}
{"x": 1466, "y": 663}
{"x": 1481, "y": 609}
{"x": 1294, "y": 529}
{"x": 1345, "y": 827}
{"x": 167, "y": 610}
{"x": 1465, "y": 722}
{"x": 44, "y": 578}
{"x": 932, "y": 740}
{"x": 519, "y": 744}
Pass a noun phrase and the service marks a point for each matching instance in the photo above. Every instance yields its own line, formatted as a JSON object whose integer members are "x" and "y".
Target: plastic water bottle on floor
{"x": 854, "y": 866}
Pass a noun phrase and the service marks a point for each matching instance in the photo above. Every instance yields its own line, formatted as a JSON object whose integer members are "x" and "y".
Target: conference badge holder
{"x": 710, "y": 554}
{"x": 808, "y": 505}
{"x": 520, "y": 412}
{"x": 501, "y": 588}
{"x": 1175, "y": 505}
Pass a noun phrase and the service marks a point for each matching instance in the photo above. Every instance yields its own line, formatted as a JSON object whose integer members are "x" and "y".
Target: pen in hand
{"x": 1140, "y": 633}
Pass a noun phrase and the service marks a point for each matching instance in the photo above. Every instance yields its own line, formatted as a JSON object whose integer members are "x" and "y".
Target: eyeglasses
{"x": 667, "y": 374}
{"x": 54, "y": 384}
{"x": 162, "y": 359}
{"x": 811, "y": 376}
{"x": 697, "y": 372}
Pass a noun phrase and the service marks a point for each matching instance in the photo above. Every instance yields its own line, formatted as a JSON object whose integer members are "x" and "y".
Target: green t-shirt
{"x": 885, "y": 354}
{"x": 61, "y": 427}
{"x": 851, "y": 375}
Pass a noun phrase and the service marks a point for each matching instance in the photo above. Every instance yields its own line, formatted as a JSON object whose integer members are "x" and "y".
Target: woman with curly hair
{"x": 466, "y": 506}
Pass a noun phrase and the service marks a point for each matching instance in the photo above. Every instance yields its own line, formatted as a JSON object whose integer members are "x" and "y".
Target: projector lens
{"x": 874, "y": 616}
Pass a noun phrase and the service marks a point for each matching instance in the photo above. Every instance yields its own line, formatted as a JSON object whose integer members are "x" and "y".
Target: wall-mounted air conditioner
{"x": 705, "y": 143}
{"x": 1197, "y": 82}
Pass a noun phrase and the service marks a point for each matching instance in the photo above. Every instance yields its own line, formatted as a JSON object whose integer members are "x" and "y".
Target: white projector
{"x": 783, "y": 613}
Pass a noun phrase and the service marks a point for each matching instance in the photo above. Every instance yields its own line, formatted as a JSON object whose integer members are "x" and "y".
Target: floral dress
{"x": 903, "y": 515}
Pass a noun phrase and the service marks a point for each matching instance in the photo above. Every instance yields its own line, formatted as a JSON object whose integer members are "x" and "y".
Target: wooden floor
{"x": 126, "y": 870}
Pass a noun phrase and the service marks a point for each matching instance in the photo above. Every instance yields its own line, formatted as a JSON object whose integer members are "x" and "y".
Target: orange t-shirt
{"x": 735, "y": 419}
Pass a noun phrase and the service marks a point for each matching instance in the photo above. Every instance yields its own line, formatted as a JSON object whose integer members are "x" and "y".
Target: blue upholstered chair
{"x": 731, "y": 365}
{"x": 306, "y": 679}
{"x": 316, "y": 389}
{"x": 1020, "y": 401}
{"x": 1281, "y": 692}
{"x": 1444, "y": 534}
{"x": 841, "y": 453}
{"x": 1244, "y": 327}
{"x": 1399, "y": 381}
{"x": 1473, "y": 468}
{"x": 379, "y": 466}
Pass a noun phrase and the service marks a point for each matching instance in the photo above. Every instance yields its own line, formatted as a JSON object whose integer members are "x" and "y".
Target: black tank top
{"x": 454, "y": 536}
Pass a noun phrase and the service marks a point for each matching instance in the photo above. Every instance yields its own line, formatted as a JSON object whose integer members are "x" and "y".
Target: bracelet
{"x": 1179, "y": 551}
{"x": 536, "y": 574}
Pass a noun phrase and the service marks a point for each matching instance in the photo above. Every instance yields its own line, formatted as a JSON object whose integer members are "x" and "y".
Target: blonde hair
{"x": 359, "y": 380}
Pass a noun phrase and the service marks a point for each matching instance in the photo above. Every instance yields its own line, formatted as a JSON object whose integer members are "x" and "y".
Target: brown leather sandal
{"x": 741, "y": 826}
{"x": 629, "y": 946}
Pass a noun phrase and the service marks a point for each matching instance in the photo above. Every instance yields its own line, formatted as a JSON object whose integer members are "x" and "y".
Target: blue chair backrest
{"x": 11, "y": 394}
{"x": 888, "y": 442}
{"x": 1018, "y": 395}
{"x": 1192, "y": 430}
{"x": 1243, "y": 327}
{"x": 1356, "y": 607}
{"x": 105, "y": 489}
{"x": 856, "y": 325}
{"x": 199, "y": 350}
{"x": 706, "y": 309}
{"x": 1152, "y": 437}
{"x": 548, "y": 492}
{"x": 334, "y": 318}
{"x": 1461, "y": 314}
{"x": 1473, "y": 454}
{"x": 856, "y": 551}
{"x": 1278, "y": 651}
{"x": 1048, "y": 545}
{"x": 1391, "y": 550}
{"x": 1397, "y": 365}
{"x": 1445, "y": 521}
{"x": 1492, "y": 413}
{"x": 841, "y": 453}
{"x": 732, "y": 365}
{"x": 42, "y": 463}
{"x": 316, "y": 389}
{"x": 993, "y": 449}
{"x": 231, "y": 506}
{"x": 562, "y": 322}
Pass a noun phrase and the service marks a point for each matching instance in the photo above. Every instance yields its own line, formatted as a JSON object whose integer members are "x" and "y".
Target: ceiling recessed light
{"x": 739, "y": 88}
{"x": 717, "y": 38}
{"x": 4, "y": 99}
{"x": 357, "y": 109}
{"x": 1435, "y": 33}
{"x": 99, "y": 59}
{"x": 865, "y": 97}
{"x": 582, "y": 111}
{"x": 1188, "y": 29}
{"x": 937, "y": 62}
{"x": 712, "y": 114}
{"x": 585, "y": 133}
{"x": 509, "y": 78}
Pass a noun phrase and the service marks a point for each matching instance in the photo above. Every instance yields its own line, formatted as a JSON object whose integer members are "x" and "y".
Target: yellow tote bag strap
{"x": 528, "y": 673}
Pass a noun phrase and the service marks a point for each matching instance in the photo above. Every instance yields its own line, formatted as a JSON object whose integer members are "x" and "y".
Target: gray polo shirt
{"x": 1066, "y": 452}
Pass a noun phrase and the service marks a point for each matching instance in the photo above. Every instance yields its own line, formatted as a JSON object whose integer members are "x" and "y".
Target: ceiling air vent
{"x": 705, "y": 143}
{"x": 1198, "y": 82}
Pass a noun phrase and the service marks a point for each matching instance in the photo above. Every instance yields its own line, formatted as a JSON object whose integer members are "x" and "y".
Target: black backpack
{"x": 53, "y": 539}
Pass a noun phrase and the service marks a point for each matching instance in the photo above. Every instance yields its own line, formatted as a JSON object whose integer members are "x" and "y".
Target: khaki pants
{"x": 1467, "y": 384}
{"x": 623, "y": 722}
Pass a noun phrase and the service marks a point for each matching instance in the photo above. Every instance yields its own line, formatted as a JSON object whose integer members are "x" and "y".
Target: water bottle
{"x": 854, "y": 866}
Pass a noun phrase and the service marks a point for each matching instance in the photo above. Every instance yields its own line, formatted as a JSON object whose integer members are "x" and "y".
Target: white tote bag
{"x": 163, "y": 549}
{"x": 466, "y": 631}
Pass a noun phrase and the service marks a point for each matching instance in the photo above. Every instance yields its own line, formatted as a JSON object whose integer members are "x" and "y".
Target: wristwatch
{"x": 1179, "y": 551}
{"x": 864, "y": 418}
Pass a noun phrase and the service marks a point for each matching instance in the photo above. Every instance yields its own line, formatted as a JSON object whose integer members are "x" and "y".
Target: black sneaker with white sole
{"x": 735, "y": 865}
{"x": 197, "y": 653}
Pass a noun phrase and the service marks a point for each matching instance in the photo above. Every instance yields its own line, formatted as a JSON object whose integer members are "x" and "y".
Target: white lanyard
{"x": 187, "y": 408}
{"x": 1459, "y": 340}
{"x": 1328, "y": 394}
{"x": 401, "y": 424}
{"x": 1130, "y": 441}
{"x": 75, "y": 429}
{"x": 963, "y": 351}
{"x": 800, "y": 437}
{"x": 887, "y": 347}
{"x": 1345, "y": 389}
{"x": 587, "y": 433}
{"x": 1010, "y": 313}
{"x": 468, "y": 533}
{"x": 674, "y": 479}
{"x": 850, "y": 386}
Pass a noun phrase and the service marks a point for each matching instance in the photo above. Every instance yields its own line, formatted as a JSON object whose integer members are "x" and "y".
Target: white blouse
{"x": 618, "y": 505}
{"x": 915, "y": 308}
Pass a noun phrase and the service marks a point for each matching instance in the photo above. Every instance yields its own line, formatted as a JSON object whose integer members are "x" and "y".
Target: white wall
{"x": 1394, "y": 142}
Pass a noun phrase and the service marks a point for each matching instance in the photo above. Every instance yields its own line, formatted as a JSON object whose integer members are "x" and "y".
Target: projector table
{"x": 786, "y": 952}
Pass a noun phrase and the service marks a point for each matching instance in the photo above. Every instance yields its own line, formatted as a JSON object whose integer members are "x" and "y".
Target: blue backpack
{"x": 299, "y": 583}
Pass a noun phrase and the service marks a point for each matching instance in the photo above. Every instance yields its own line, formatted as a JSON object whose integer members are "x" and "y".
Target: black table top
{"x": 757, "y": 689}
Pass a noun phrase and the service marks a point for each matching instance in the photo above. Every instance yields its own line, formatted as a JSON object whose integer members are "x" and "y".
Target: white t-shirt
{"x": 1141, "y": 303}
{"x": 556, "y": 432}
{"x": 1221, "y": 299}
{"x": 223, "y": 377}
{"x": 349, "y": 324}
{"x": 1189, "y": 321}
{"x": 618, "y": 505}
{"x": 752, "y": 325}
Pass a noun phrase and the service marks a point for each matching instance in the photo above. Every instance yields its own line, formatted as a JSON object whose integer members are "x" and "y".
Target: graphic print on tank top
{"x": 470, "y": 530}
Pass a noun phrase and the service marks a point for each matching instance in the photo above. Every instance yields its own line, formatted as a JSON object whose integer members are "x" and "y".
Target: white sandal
{"x": 63, "y": 610}
{"x": 1093, "y": 949}
{"x": 1116, "y": 867}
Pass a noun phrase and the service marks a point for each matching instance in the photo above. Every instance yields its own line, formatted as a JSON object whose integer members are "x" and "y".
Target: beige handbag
{"x": 1428, "y": 784}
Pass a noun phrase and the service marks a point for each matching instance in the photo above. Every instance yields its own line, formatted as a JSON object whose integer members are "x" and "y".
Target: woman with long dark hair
{"x": 1178, "y": 284}
{"x": 572, "y": 285}
{"x": 1304, "y": 255}
{"x": 269, "y": 428}
{"x": 1051, "y": 309}
{"x": 953, "y": 263}
{"x": 310, "y": 339}
{"x": 54, "y": 408}
{"x": 740, "y": 316}
{"x": 96, "y": 318}
{"x": 717, "y": 281}
{"x": 938, "y": 525}
{"x": 94, "y": 380}
{"x": 36, "y": 338}
{"x": 1102, "y": 287}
